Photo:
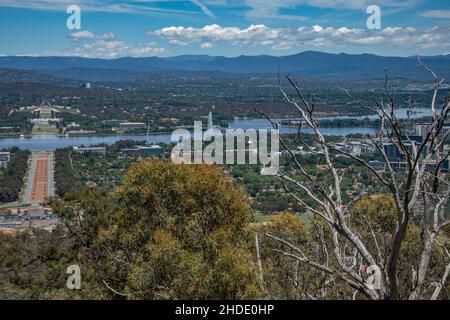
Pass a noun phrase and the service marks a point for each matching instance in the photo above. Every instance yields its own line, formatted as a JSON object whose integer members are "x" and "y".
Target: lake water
{"x": 50, "y": 143}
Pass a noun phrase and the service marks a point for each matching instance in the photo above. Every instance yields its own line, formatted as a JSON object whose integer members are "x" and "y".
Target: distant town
{"x": 30, "y": 209}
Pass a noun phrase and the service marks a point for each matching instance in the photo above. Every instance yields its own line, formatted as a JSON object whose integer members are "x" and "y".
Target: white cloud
{"x": 86, "y": 34}
{"x": 438, "y": 14}
{"x": 289, "y": 38}
{"x": 88, "y": 44}
{"x": 206, "y": 45}
{"x": 213, "y": 33}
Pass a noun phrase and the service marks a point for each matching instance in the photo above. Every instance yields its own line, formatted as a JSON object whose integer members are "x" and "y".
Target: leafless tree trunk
{"x": 422, "y": 187}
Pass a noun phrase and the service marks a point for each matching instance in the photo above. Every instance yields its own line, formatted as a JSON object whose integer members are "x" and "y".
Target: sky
{"x": 112, "y": 29}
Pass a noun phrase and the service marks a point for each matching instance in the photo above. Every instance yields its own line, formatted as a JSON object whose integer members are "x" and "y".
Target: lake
{"x": 50, "y": 143}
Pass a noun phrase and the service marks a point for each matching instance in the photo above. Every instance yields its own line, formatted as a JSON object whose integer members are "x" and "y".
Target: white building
{"x": 132, "y": 125}
{"x": 73, "y": 125}
{"x": 90, "y": 149}
{"x": 45, "y": 120}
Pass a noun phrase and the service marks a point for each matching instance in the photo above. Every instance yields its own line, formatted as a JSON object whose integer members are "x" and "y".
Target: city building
{"x": 72, "y": 125}
{"x": 354, "y": 147}
{"x": 45, "y": 110}
{"x": 377, "y": 165}
{"x": 8, "y": 128}
{"x": 132, "y": 125}
{"x": 423, "y": 129}
{"x": 81, "y": 132}
{"x": 144, "y": 150}
{"x": 33, "y": 217}
{"x": 101, "y": 150}
{"x": 402, "y": 166}
{"x": 169, "y": 120}
{"x": 392, "y": 151}
{"x": 45, "y": 120}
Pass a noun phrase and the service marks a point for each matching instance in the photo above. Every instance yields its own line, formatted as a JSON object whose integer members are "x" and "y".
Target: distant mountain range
{"x": 14, "y": 76}
{"x": 308, "y": 64}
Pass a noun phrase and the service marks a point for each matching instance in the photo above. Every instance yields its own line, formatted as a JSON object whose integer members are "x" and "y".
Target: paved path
{"x": 39, "y": 184}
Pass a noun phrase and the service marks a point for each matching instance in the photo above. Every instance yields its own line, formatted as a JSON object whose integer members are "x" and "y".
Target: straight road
{"x": 39, "y": 185}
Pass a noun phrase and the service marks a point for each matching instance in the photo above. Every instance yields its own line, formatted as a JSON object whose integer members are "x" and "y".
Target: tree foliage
{"x": 64, "y": 179}
{"x": 168, "y": 232}
{"x": 373, "y": 219}
{"x": 11, "y": 181}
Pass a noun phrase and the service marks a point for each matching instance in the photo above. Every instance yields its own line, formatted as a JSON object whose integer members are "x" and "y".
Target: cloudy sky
{"x": 111, "y": 28}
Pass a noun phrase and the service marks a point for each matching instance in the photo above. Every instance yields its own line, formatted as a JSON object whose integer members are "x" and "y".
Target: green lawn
{"x": 45, "y": 115}
{"x": 44, "y": 129}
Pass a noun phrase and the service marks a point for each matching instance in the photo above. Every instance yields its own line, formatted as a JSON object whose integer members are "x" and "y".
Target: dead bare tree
{"x": 421, "y": 191}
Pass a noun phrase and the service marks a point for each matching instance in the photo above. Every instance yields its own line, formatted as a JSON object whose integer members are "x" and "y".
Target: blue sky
{"x": 111, "y": 29}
